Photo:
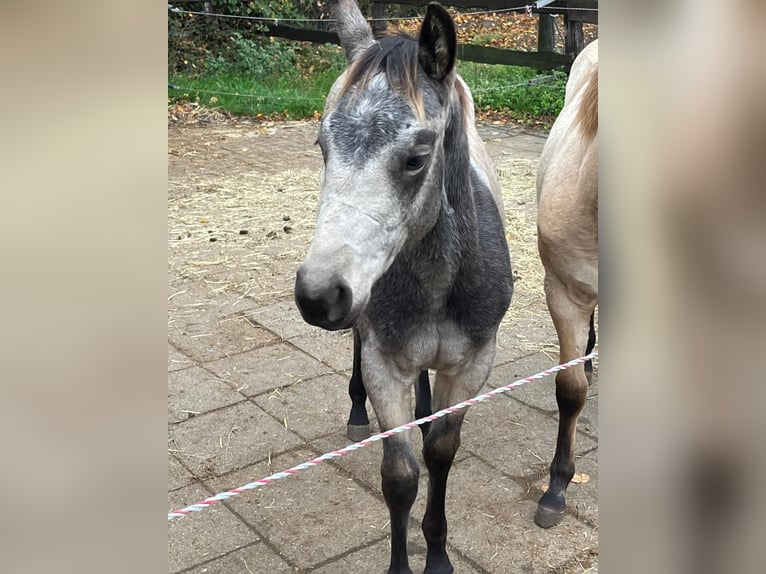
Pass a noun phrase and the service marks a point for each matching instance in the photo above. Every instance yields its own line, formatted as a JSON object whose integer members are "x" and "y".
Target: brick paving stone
{"x": 310, "y": 517}
{"x": 267, "y": 368}
{"x": 254, "y": 558}
{"x": 335, "y": 349}
{"x": 363, "y": 464}
{"x": 541, "y": 393}
{"x": 206, "y": 338}
{"x": 282, "y": 318}
{"x": 177, "y": 360}
{"x": 215, "y": 297}
{"x": 194, "y": 391}
{"x": 205, "y": 535}
{"x": 525, "y": 336}
{"x": 310, "y": 408}
{"x": 178, "y": 476}
{"x": 492, "y": 523}
{"x": 512, "y": 437}
{"x": 229, "y": 438}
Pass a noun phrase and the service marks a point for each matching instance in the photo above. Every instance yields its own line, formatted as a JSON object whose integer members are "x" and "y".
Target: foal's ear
{"x": 354, "y": 31}
{"x": 438, "y": 43}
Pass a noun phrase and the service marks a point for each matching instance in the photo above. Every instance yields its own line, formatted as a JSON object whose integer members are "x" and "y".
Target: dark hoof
{"x": 548, "y": 517}
{"x": 357, "y": 432}
{"x": 448, "y": 569}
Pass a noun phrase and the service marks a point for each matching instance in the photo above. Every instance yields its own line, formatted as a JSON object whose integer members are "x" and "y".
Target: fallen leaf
{"x": 580, "y": 478}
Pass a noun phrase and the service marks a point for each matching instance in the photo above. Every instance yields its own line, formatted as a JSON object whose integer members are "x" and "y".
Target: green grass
{"x": 522, "y": 92}
{"x": 239, "y": 95}
{"x": 294, "y": 79}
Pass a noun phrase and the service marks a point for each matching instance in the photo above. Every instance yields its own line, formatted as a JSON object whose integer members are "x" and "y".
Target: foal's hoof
{"x": 443, "y": 567}
{"x": 357, "y": 432}
{"x": 546, "y": 517}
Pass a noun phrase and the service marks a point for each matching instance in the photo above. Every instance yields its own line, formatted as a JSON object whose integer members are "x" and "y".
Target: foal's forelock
{"x": 397, "y": 56}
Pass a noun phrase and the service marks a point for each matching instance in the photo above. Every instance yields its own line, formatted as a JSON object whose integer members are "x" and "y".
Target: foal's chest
{"x": 439, "y": 345}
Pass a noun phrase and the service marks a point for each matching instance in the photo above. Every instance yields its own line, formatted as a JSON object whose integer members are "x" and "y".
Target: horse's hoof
{"x": 439, "y": 569}
{"x": 548, "y": 517}
{"x": 357, "y": 432}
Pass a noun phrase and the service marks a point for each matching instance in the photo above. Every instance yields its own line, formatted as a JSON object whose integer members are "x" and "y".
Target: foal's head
{"x": 382, "y": 142}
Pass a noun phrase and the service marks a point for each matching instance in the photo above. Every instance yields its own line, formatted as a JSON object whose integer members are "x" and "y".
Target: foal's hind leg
{"x": 358, "y": 427}
{"x": 423, "y": 400}
{"x": 571, "y": 320}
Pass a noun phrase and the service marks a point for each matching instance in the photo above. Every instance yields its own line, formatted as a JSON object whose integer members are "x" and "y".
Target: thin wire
{"x": 529, "y": 83}
{"x": 277, "y": 20}
{"x": 236, "y": 94}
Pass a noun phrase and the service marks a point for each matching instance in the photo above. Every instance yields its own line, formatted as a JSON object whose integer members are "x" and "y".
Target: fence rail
{"x": 576, "y": 13}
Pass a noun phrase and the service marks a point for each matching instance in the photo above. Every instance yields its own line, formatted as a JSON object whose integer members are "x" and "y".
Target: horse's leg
{"x": 400, "y": 473}
{"x": 389, "y": 393}
{"x": 439, "y": 448}
{"x": 358, "y": 427}
{"x": 423, "y": 400}
{"x": 589, "y": 348}
{"x": 570, "y": 318}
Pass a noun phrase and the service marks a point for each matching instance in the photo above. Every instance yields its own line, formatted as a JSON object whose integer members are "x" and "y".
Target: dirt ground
{"x": 253, "y": 390}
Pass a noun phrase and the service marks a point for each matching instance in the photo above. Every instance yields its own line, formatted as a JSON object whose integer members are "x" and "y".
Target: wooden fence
{"x": 582, "y": 11}
{"x": 576, "y": 12}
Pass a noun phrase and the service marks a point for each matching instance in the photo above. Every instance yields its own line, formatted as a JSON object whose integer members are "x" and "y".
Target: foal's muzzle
{"x": 324, "y": 303}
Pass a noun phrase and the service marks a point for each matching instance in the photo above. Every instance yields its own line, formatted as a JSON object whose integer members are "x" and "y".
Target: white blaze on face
{"x": 360, "y": 229}
{"x": 362, "y": 222}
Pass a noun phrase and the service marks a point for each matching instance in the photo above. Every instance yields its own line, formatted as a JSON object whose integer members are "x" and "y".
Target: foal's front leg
{"x": 439, "y": 448}
{"x": 389, "y": 392}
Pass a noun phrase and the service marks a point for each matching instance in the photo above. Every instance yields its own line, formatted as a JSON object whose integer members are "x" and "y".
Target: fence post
{"x": 379, "y": 10}
{"x": 546, "y": 41}
{"x": 210, "y": 20}
{"x": 574, "y": 41}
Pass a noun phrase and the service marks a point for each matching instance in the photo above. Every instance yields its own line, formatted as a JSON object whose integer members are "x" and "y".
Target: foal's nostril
{"x": 326, "y": 305}
{"x": 342, "y": 304}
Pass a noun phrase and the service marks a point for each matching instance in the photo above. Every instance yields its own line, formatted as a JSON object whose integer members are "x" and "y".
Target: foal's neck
{"x": 454, "y": 237}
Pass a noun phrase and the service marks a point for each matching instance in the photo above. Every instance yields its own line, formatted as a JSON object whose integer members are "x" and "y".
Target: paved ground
{"x": 253, "y": 390}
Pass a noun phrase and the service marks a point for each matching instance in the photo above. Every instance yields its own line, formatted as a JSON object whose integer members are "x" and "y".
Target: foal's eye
{"x": 416, "y": 162}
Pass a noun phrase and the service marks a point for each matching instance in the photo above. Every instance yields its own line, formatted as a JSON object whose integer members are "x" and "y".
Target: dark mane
{"x": 397, "y": 56}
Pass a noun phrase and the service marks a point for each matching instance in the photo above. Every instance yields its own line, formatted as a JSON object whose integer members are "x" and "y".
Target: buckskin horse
{"x": 567, "y": 234}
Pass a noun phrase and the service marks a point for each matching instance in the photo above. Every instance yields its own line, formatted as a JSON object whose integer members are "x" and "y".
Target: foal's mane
{"x": 587, "y": 115}
{"x": 397, "y": 55}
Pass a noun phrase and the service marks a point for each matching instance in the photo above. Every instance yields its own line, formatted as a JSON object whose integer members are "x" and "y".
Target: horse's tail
{"x": 587, "y": 115}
